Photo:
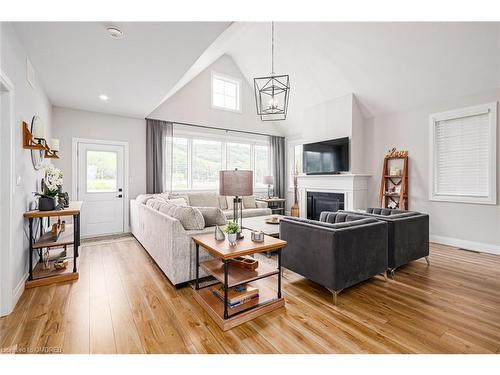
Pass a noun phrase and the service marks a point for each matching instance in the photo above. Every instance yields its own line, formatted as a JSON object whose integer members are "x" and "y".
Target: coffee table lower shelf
{"x": 266, "y": 302}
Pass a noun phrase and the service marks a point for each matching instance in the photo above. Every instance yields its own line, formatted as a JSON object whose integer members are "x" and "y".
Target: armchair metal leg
{"x": 385, "y": 275}
{"x": 428, "y": 260}
{"x": 335, "y": 294}
{"x": 392, "y": 273}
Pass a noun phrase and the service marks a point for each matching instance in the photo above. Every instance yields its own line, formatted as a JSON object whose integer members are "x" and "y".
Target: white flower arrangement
{"x": 52, "y": 181}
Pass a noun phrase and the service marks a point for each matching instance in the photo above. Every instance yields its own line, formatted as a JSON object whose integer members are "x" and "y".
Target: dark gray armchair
{"x": 408, "y": 233}
{"x": 338, "y": 251}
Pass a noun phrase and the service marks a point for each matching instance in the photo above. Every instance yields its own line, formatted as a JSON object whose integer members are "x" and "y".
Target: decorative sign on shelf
{"x": 395, "y": 153}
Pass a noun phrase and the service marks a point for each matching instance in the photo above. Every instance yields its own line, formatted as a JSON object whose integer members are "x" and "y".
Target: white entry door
{"x": 101, "y": 188}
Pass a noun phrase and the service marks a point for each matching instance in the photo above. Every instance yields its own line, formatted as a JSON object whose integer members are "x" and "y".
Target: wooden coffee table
{"x": 230, "y": 276}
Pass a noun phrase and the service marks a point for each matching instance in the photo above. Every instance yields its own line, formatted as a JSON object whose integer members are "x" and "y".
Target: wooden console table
{"x": 71, "y": 236}
{"x": 231, "y": 276}
{"x": 277, "y": 205}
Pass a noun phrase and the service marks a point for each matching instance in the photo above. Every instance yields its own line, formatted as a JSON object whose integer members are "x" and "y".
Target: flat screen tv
{"x": 326, "y": 157}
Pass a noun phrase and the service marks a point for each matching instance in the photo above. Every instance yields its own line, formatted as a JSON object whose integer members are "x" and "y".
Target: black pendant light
{"x": 272, "y": 92}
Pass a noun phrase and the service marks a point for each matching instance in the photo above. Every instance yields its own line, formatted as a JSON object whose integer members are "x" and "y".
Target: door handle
{"x": 119, "y": 196}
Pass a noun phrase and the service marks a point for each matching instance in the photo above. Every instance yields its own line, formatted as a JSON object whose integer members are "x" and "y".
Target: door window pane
{"x": 238, "y": 156}
{"x": 207, "y": 162}
{"x": 179, "y": 163}
{"x": 261, "y": 165}
{"x": 102, "y": 167}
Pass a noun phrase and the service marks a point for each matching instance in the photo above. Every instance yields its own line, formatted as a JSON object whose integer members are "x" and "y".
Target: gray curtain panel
{"x": 157, "y": 135}
{"x": 278, "y": 163}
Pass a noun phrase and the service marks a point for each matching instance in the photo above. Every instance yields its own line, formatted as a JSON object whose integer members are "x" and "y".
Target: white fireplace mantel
{"x": 353, "y": 186}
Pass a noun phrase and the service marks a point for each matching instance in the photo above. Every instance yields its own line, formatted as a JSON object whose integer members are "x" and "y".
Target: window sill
{"x": 463, "y": 199}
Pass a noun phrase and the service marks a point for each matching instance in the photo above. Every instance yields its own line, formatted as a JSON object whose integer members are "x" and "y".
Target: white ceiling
{"x": 78, "y": 61}
{"x": 389, "y": 66}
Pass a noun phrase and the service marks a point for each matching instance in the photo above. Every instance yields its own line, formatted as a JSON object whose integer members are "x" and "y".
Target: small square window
{"x": 225, "y": 92}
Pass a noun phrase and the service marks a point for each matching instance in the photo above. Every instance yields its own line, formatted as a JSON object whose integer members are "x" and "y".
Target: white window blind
{"x": 464, "y": 156}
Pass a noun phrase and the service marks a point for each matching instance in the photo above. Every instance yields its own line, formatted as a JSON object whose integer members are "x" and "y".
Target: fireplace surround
{"x": 353, "y": 187}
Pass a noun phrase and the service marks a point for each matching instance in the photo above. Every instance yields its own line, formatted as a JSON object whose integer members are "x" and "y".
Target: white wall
{"x": 72, "y": 123}
{"x": 192, "y": 104}
{"x": 336, "y": 118}
{"x": 28, "y": 102}
{"x": 451, "y": 223}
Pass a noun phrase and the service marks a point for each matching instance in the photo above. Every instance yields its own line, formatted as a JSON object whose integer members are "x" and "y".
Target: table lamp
{"x": 238, "y": 184}
{"x": 268, "y": 180}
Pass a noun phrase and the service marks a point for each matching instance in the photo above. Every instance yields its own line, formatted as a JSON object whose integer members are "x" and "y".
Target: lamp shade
{"x": 236, "y": 183}
{"x": 268, "y": 180}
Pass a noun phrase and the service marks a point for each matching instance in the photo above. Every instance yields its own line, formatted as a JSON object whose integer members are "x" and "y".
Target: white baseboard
{"x": 18, "y": 291}
{"x": 464, "y": 244}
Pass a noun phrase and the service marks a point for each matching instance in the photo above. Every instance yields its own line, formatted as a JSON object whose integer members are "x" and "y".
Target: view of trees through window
{"x": 180, "y": 163}
{"x": 207, "y": 162}
{"x": 101, "y": 171}
{"x": 196, "y": 162}
{"x": 261, "y": 165}
{"x": 238, "y": 155}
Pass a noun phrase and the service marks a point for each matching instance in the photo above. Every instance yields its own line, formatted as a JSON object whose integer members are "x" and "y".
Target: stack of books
{"x": 237, "y": 295}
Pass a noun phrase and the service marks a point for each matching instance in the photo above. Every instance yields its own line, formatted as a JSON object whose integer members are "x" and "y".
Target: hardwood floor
{"x": 122, "y": 303}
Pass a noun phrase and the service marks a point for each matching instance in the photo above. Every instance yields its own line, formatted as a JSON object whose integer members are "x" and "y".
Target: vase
{"x": 232, "y": 238}
{"x": 219, "y": 234}
{"x": 47, "y": 203}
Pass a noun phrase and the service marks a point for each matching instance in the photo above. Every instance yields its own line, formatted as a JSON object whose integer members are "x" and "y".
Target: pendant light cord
{"x": 272, "y": 48}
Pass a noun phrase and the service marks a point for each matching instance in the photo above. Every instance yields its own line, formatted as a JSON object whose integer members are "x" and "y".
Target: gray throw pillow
{"x": 190, "y": 217}
{"x": 249, "y": 202}
{"x": 213, "y": 216}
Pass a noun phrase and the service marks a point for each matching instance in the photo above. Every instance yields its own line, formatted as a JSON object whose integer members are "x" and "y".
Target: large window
{"x": 261, "y": 165}
{"x": 180, "y": 163}
{"x": 197, "y": 160}
{"x": 207, "y": 162}
{"x": 463, "y": 149}
{"x": 239, "y": 156}
{"x": 225, "y": 92}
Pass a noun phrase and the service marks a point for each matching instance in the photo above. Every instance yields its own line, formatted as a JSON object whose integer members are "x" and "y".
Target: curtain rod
{"x": 216, "y": 128}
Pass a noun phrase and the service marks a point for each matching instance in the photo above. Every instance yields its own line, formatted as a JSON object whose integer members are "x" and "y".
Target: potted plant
{"x": 51, "y": 186}
{"x": 232, "y": 229}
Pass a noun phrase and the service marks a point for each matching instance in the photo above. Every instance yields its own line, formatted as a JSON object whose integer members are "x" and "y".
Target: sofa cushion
{"x": 213, "y": 216}
{"x": 249, "y": 212}
{"x": 178, "y": 201}
{"x": 204, "y": 199}
{"x": 230, "y": 203}
{"x": 390, "y": 213}
{"x": 334, "y": 225}
{"x": 179, "y": 195}
{"x": 143, "y": 198}
{"x": 249, "y": 202}
{"x": 338, "y": 217}
{"x": 222, "y": 202}
{"x": 189, "y": 217}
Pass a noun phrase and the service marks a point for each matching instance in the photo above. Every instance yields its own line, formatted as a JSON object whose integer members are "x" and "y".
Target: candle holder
{"x": 31, "y": 143}
{"x": 51, "y": 154}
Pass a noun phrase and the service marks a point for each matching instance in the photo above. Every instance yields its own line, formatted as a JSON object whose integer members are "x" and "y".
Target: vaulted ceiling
{"x": 389, "y": 66}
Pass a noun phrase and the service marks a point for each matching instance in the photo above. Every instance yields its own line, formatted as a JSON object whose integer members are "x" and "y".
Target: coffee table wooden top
{"x": 222, "y": 249}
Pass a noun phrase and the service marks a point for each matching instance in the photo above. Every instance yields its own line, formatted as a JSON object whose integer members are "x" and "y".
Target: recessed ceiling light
{"x": 115, "y": 33}
{"x": 103, "y": 97}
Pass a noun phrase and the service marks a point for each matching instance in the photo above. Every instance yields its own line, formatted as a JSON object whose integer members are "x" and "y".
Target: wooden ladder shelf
{"x": 388, "y": 181}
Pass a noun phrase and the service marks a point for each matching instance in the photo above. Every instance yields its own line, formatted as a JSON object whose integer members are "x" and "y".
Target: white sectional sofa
{"x": 165, "y": 230}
